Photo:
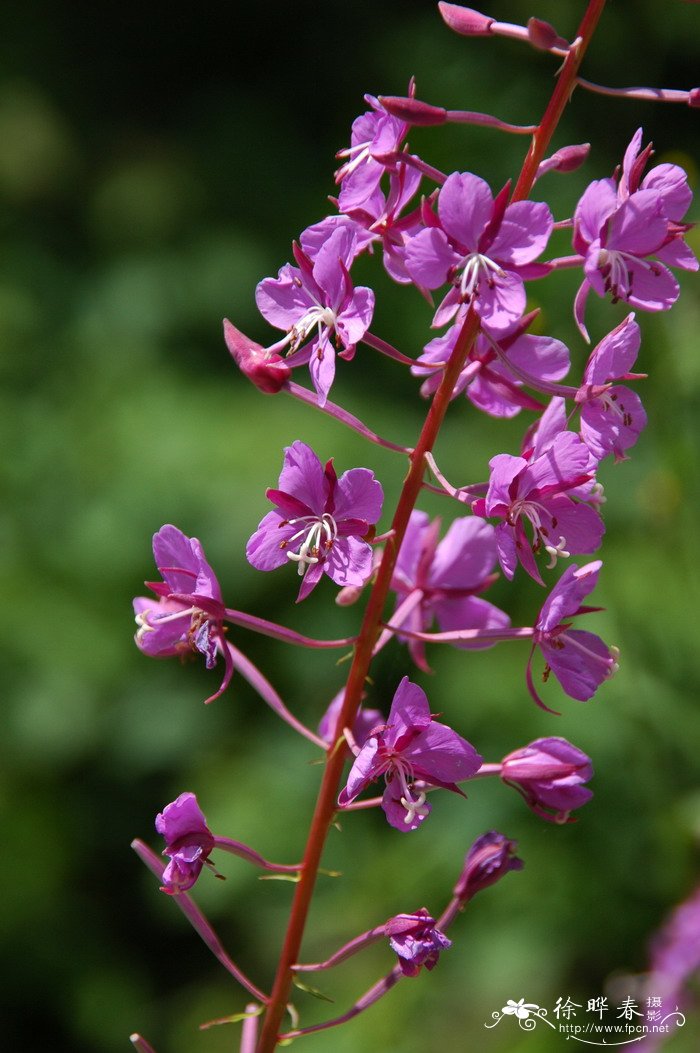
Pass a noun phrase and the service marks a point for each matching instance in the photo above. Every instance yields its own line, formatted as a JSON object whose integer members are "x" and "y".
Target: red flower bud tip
{"x": 412, "y": 110}
{"x": 694, "y": 97}
{"x": 267, "y": 370}
{"x": 465, "y": 20}
{"x": 544, "y": 36}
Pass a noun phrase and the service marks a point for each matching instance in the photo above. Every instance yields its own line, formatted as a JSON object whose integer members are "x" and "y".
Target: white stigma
{"x": 319, "y": 535}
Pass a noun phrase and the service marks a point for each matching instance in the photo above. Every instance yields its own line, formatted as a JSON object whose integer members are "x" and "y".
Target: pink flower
{"x": 412, "y": 747}
{"x": 188, "y": 615}
{"x": 629, "y": 233}
{"x": 319, "y": 521}
{"x": 483, "y": 246}
{"x": 549, "y": 773}
{"x": 416, "y": 940}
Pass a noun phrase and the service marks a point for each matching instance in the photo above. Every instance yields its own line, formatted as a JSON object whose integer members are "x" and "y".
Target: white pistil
{"x": 144, "y": 626}
{"x": 531, "y": 509}
{"x": 477, "y": 266}
{"x": 318, "y": 533}
{"x": 414, "y": 808}
{"x": 556, "y": 552}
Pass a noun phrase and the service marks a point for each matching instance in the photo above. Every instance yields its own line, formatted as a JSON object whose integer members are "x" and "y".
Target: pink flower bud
{"x": 465, "y": 20}
{"x": 412, "y": 110}
{"x": 267, "y": 370}
{"x": 544, "y": 36}
{"x": 489, "y": 859}
{"x": 694, "y": 97}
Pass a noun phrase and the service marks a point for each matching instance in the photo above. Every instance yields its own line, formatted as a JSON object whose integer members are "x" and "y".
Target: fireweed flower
{"x": 410, "y": 748}
{"x": 612, "y": 415}
{"x": 375, "y": 138}
{"x": 188, "y": 843}
{"x": 579, "y": 659}
{"x": 538, "y": 492}
{"x": 445, "y": 578}
{"x": 549, "y": 773}
{"x": 483, "y": 246}
{"x": 364, "y": 723}
{"x": 487, "y": 379}
{"x": 319, "y": 521}
{"x": 416, "y": 941}
{"x": 317, "y": 304}
{"x": 631, "y": 232}
{"x": 188, "y": 615}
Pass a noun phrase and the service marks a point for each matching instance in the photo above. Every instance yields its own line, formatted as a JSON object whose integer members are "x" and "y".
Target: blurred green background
{"x": 156, "y": 161}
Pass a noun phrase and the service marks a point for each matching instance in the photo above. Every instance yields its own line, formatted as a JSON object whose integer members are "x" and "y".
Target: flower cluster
{"x": 528, "y": 510}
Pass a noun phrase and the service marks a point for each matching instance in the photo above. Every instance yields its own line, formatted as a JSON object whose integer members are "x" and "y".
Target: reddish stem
{"x": 371, "y": 624}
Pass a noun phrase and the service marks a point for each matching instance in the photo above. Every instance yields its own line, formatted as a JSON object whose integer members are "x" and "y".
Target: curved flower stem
{"x": 280, "y": 632}
{"x": 268, "y": 694}
{"x": 647, "y": 94}
{"x": 237, "y": 848}
{"x": 371, "y": 996}
{"x": 377, "y": 344}
{"x": 347, "y": 951}
{"x": 198, "y": 921}
{"x": 350, "y": 421}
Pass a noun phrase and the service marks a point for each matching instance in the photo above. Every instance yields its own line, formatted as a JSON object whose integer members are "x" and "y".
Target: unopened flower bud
{"x": 549, "y": 773}
{"x": 489, "y": 859}
{"x": 694, "y": 97}
{"x": 465, "y": 20}
{"x": 267, "y": 370}
{"x": 413, "y": 111}
{"x": 544, "y": 36}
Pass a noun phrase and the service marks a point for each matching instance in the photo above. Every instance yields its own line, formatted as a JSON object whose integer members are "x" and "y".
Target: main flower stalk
{"x": 371, "y": 624}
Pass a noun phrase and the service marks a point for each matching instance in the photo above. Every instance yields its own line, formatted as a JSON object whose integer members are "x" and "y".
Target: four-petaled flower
{"x": 416, "y": 940}
{"x": 579, "y": 659}
{"x": 538, "y": 491}
{"x": 189, "y": 611}
{"x": 188, "y": 842}
{"x": 630, "y": 233}
{"x": 317, "y": 304}
{"x": 374, "y": 142}
{"x": 483, "y": 246}
{"x": 319, "y": 521}
{"x": 412, "y": 751}
{"x": 445, "y": 579}
{"x": 549, "y": 773}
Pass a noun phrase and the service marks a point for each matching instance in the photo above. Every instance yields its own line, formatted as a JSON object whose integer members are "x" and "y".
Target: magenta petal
{"x": 615, "y": 354}
{"x": 429, "y": 257}
{"x": 328, "y": 272}
{"x": 670, "y": 183}
{"x": 409, "y": 711}
{"x": 613, "y": 424}
{"x": 266, "y": 549}
{"x": 580, "y": 661}
{"x": 441, "y": 756}
{"x": 596, "y": 205}
{"x": 322, "y": 368}
{"x": 281, "y": 301}
{"x": 507, "y": 551}
{"x": 568, "y": 594}
{"x": 303, "y": 476}
{"x": 523, "y": 234}
{"x": 638, "y": 225}
{"x": 465, "y": 556}
{"x": 176, "y": 559}
{"x": 503, "y": 302}
{"x": 349, "y": 561}
{"x": 410, "y": 552}
{"x": 180, "y": 818}
{"x": 356, "y": 317}
{"x": 366, "y": 769}
{"x": 396, "y": 812}
{"x": 358, "y": 494}
{"x": 465, "y": 206}
{"x": 652, "y": 286}
{"x": 678, "y": 254}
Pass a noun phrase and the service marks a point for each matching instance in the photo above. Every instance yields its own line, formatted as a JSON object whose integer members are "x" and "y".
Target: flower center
{"x": 317, "y": 317}
{"x": 318, "y": 535}
{"x": 531, "y": 510}
{"x": 617, "y": 274}
{"x": 475, "y": 267}
{"x": 414, "y": 805}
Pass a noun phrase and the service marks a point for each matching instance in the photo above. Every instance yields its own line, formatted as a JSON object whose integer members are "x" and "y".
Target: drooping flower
{"x": 188, "y": 615}
{"x": 483, "y": 246}
{"x": 319, "y": 521}
{"x": 612, "y": 415}
{"x": 491, "y": 381}
{"x": 489, "y": 859}
{"x": 538, "y": 491}
{"x": 317, "y": 305}
{"x": 550, "y": 774}
{"x": 416, "y": 941}
{"x": 413, "y": 752}
{"x": 188, "y": 842}
{"x": 579, "y": 659}
{"x": 445, "y": 578}
{"x": 629, "y": 233}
